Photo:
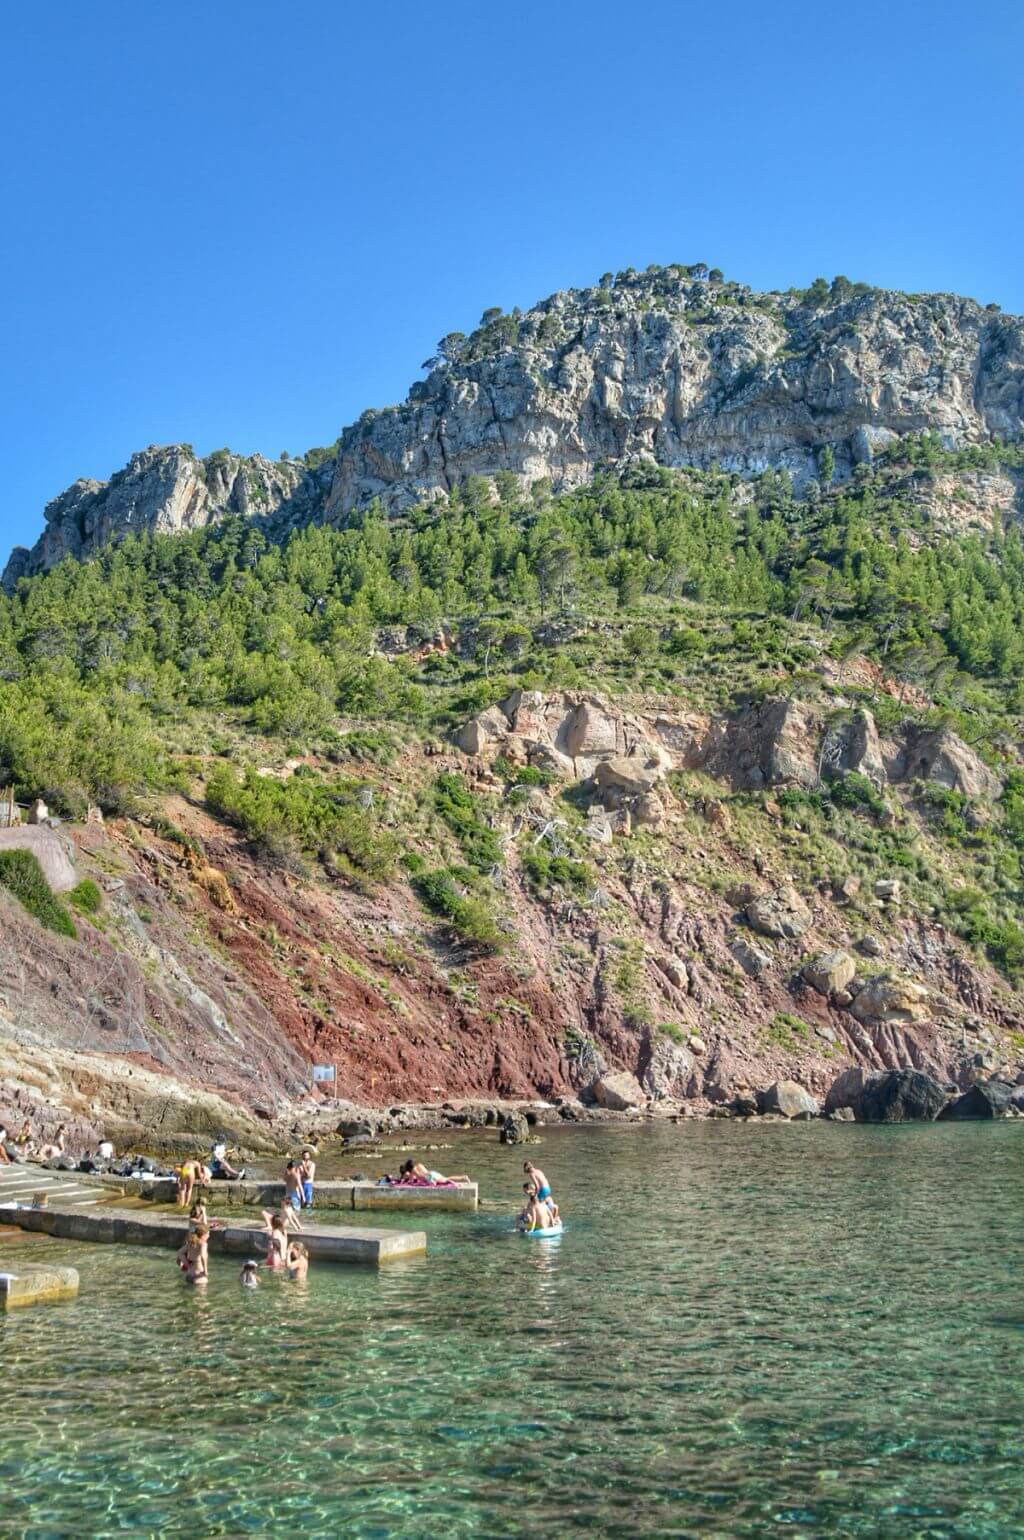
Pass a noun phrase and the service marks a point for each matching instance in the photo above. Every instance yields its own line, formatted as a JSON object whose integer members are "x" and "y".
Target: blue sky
{"x": 242, "y": 223}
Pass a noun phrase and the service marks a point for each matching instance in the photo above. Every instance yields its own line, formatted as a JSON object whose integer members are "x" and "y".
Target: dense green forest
{"x": 113, "y": 669}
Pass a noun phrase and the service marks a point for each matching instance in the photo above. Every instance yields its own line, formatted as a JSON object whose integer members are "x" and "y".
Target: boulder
{"x": 55, "y": 854}
{"x": 870, "y": 946}
{"x": 598, "y": 826}
{"x": 987, "y": 1099}
{"x": 889, "y": 890}
{"x": 675, "y": 970}
{"x": 484, "y": 731}
{"x": 544, "y": 756}
{"x": 937, "y": 754}
{"x": 618, "y": 1091}
{"x": 782, "y": 913}
{"x": 788, "y": 1099}
{"x": 591, "y": 730}
{"x": 845, "y": 1092}
{"x": 841, "y": 1115}
{"x": 697, "y": 1044}
{"x": 902, "y": 1096}
{"x": 632, "y": 774}
{"x": 649, "y": 811}
{"x": 526, "y": 711}
{"x": 666, "y": 1067}
{"x": 514, "y": 1129}
{"x": 846, "y": 888}
{"x": 750, "y": 957}
{"x": 853, "y": 744}
{"x": 890, "y": 999}
{"x": 830, "y": 973}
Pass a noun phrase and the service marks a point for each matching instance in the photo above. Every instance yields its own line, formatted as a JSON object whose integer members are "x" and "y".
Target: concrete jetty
{"x": 463, "y": 1198}
{"x": 31, "y": 1283}
{"x": 325, "y": 1243}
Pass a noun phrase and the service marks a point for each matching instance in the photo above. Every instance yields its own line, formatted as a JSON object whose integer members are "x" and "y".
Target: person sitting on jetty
{"x": 249, "y": 1276}
{"x": 104, "y": 1150}
{"x": 543, "y": 1187}
{"x": 288, "y": 1216}
{"x": 277, "y": 1241}
{"x": 23, "y": 1139}
{"x": 307, "y": 1175}
{"x": 54, "y": 1148}
{"x": 221, "y": 1168}
{"x": 198, "y": 1216}
{"x": 193, "y": 1256}
{"x": 297, "y": 1260}
{"x": 5, "y": 1159}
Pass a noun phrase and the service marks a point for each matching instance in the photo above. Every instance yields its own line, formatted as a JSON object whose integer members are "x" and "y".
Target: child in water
{"x": 297, "y": 1260}
{"x": 249, "y": 1276}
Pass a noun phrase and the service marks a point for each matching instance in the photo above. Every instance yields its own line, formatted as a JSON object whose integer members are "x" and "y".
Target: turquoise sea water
{"x": 746, "y": 1330}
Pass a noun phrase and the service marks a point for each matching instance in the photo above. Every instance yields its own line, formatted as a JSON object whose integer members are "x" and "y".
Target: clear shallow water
{"x": 745, "y": 1330}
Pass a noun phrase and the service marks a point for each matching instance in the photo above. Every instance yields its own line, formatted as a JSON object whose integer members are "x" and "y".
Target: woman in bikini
{"x": 193, "y": 1257}
{"x": 413, "y": 1170}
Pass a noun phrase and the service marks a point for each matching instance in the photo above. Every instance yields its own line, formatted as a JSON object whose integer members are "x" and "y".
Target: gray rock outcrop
{"x": 667, "y": 366}
{"x": 987, "y": 1099}
{"x": 618, "y": 1091}
{"x": 167, "y": 490}
{"x": 782, "y": 913}
{"x": 830, "y": 972}
{"x": 789, "y": 1100}
{"x": 890, "y": 999}
{"x": 670, "y": 366}
{"x": 901, "y": 1096}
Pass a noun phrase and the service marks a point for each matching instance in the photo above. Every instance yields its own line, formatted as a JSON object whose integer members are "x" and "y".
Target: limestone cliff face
{"x": 165, "y": 490}
{"x": 673, "y": 364}
{"x": 686, "y": 370}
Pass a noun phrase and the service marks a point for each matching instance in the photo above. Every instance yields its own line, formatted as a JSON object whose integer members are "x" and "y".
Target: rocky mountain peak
{"x": 675, "y": 364}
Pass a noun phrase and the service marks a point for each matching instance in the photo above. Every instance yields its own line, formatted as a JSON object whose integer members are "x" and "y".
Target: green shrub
{"x": 457, "y": 806}
{"x": 305, "y": 813}
{"x": 856, "y": 792}
{"x": 545, "y": 872}
{"x": 468, "y": 917}
{"x": 22, "y": 875}
{"x": 86, "y": 897}
{"x": 787, "y": 1031}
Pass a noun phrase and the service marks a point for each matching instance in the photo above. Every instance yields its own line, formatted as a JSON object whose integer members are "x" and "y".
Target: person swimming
{"x": 297, "y": 1260}
{"x": 249, "y": 1276}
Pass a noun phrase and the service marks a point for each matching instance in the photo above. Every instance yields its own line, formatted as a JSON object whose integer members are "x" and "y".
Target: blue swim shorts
{"x": 307, "y": 1193}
